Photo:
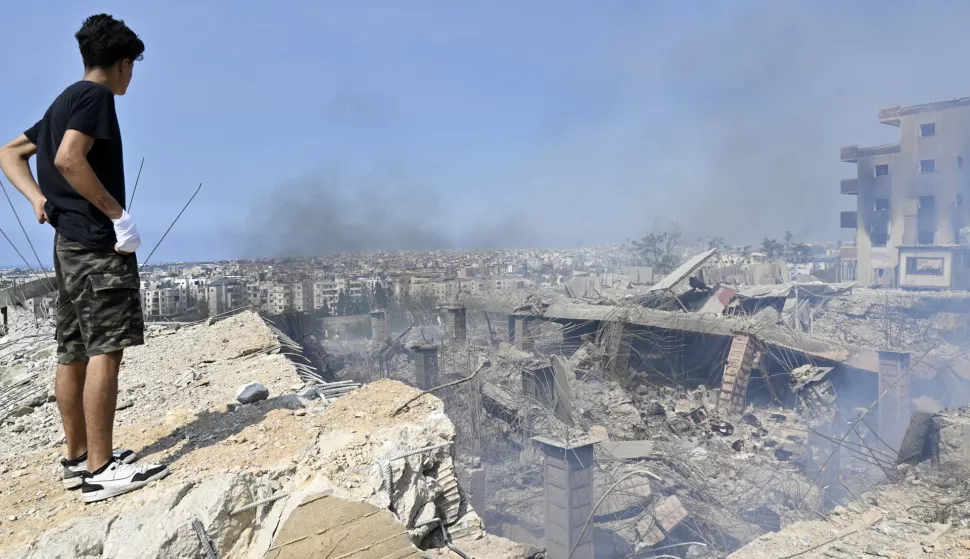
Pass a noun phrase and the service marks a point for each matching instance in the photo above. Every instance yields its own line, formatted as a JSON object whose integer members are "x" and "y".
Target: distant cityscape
{"x": 352, "y": 284}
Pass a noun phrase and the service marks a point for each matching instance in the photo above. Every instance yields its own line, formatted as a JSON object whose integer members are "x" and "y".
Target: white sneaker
{"x": 116, "y": 478}
{"x": 75, "y": 469}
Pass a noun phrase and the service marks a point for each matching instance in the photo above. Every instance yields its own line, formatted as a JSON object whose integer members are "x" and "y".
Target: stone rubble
{"x": 226, "y": 455}
{"x": 251, "y": 393}
{"x": 923, "y": 512}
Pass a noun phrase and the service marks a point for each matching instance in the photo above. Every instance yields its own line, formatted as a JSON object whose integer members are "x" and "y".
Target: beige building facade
{"x": 910, "y": 195}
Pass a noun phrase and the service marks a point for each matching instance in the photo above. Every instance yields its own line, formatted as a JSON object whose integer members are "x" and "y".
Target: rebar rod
{"x": 419, "y": 451}
{"x": 134, "y": 190}
{"x": 255, "y": 504}
{"x": 26, "y": 236}
{"x": 145, "y": 263}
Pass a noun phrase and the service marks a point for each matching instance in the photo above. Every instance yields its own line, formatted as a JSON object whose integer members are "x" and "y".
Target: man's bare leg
{"x": 69, "y": 391}
{"x": 100, "y": 399}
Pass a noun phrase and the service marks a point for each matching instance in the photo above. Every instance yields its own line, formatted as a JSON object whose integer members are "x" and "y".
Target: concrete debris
{"x": 344, "y": 528}
{"x": 750, "y": 417}
{"x": 226, "y": 457}
{"x": 921, "y": 440}
{"x": 669, "y": 513}
{"x": 814, "y": 390}
{"x": 625, "y": 450}
{"x": 925, "y": 510}
{"x": 940, "y": 438}
{"x": 251, "y": 393}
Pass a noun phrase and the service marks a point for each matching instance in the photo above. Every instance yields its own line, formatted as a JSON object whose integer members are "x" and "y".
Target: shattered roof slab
{"x": 798, "y": 343}
{"x": 684, "y": 271}
{"x": 784, "y": 290}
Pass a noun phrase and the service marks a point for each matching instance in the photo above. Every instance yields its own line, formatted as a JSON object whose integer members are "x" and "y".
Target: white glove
{"x": 126, "y": 233}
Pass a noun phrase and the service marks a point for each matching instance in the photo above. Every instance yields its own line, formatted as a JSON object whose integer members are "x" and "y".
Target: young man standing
{"x": 80, "y": 190}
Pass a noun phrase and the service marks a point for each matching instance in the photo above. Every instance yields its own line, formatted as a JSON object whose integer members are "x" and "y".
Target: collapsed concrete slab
{"x": 329, "y": 526}
{"x": 941, "y": 438}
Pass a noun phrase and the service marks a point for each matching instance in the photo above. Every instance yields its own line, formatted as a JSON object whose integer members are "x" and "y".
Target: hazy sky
{"x": 320, "y": 126}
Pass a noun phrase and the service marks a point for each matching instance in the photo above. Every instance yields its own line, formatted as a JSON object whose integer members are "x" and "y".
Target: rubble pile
{"x": 925, "y": 512}
{"x": 192, "y": 368}
{"x": 896, "y": 319}
{"x": 238, "y": 470}
{"x": 736, "y": 477}
{"x": 732, "y": 478}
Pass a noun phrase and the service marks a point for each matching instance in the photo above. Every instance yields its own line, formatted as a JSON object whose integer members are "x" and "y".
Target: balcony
{"x": 850, "y": 154}
{"x": 850, "y": 186}
{"x": 849, "y": 220}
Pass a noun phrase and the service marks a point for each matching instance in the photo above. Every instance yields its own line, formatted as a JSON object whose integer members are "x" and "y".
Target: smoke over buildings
{"x": 329, "y": 212}
{"x": 726, "y": 123}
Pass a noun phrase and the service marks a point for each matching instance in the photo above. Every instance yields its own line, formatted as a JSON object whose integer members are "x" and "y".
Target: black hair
{"x": 105, "y": 41}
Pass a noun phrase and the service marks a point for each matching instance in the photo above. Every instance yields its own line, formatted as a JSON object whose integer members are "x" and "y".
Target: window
{"x": 959, "y": 162}
{"x": 925, "y": 237}
{"x": 928, "y": 129}
{"x": 882, "y": 204}
{"x": 879, "y": 234}
{"x": 882, "y": 170}
{"x": 964, "y": 259}
{"x": 926, "y": 203}
{"x": 959, "y": 200}
{"x": 925, "y": 266}
{"x": 927, "y": 166}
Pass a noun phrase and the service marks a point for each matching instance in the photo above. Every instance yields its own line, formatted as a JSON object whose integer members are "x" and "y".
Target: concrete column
{"x": 568, "y": 479}
{"x": 563, "y": 377}
{"x": 378, "y": 325}
{"x": 455, "y": 323}
{"x": 894, "y": 396}
{"x": 473, "y": 482}
{"x": 426, "y": 366}
{"x": 737, "y": 373}
{"x": 526, "y": 332}
{"x": 510, "y": 331}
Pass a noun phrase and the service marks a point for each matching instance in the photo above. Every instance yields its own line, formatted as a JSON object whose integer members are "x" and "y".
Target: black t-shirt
{"x": 89, "y": 108}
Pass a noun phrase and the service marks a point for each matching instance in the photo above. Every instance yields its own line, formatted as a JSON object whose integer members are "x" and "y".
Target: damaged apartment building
{"x": 910, "y": 215}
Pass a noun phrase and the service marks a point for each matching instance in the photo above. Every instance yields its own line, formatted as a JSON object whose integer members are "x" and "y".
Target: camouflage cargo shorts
{"x": 98, "y": 301}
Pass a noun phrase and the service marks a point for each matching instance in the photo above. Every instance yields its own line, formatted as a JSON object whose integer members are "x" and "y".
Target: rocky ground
{"x": 192, "y": 368}
{"x": 918, "y": 517}
{"x": 928, "y": 323}
{"x": 177, "y": 408}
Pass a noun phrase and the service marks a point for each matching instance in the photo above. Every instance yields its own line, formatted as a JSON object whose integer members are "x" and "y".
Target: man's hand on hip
{"x": 39, "y": 210}
{"x": 126, "y": 233}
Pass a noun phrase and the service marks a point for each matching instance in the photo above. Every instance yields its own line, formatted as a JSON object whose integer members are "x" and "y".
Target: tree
{"x": 789, "y": 237}
{"x": 772, "y": 248}
{"x": 658, "y": 249}
{"x": 800, "y": 253}
{"x": 716, "y": 242}
{"x": 746, "y": 251}
{"x": 343, "y": 303}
